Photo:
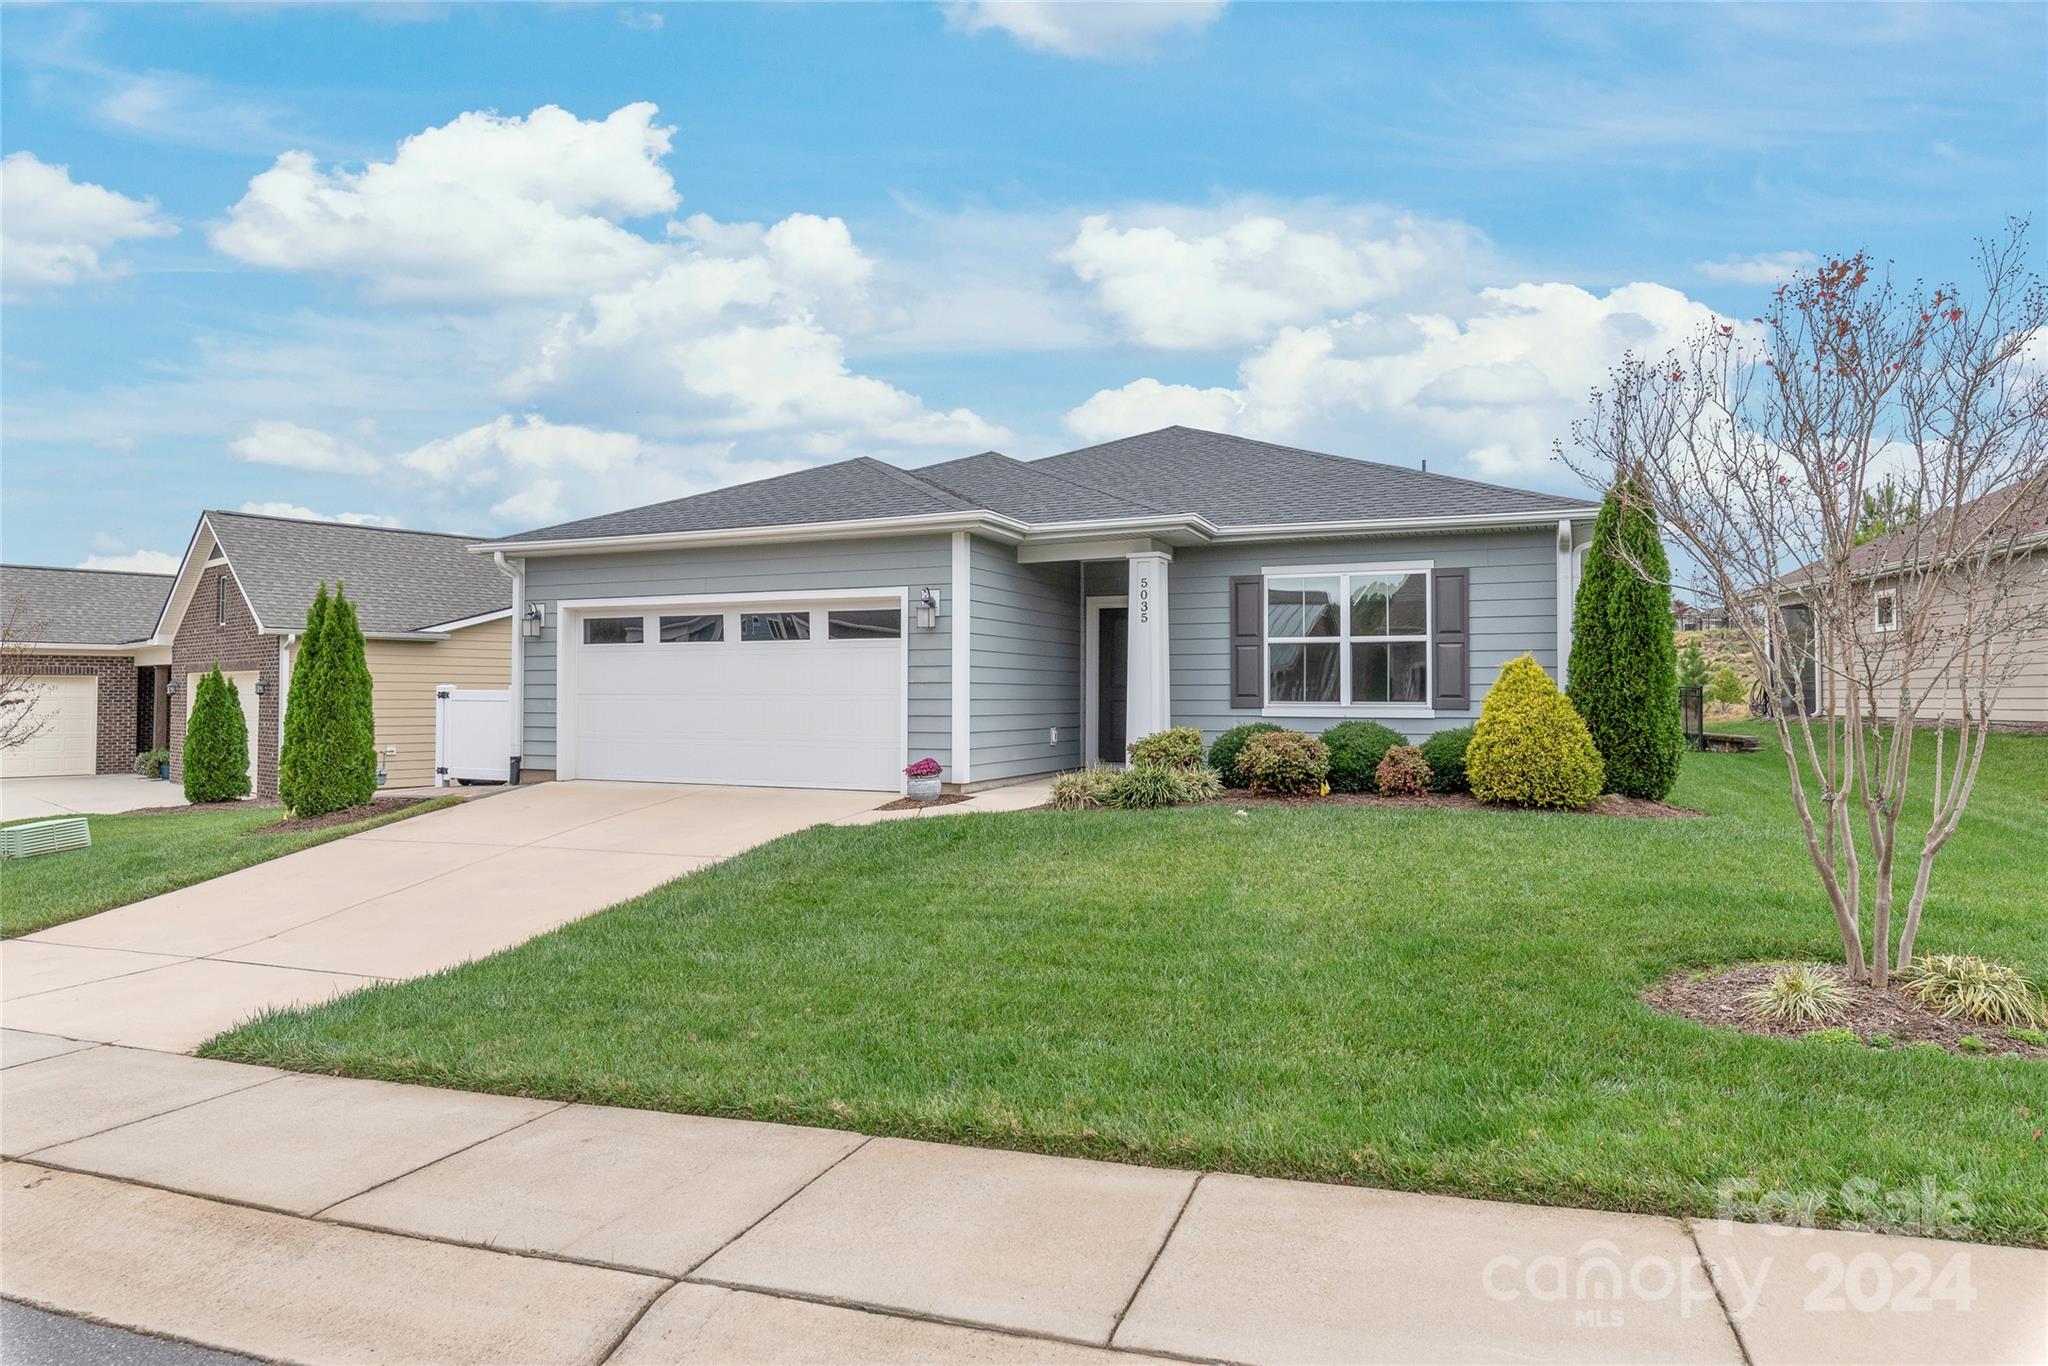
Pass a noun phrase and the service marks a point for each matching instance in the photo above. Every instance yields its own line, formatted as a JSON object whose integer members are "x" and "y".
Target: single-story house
{"x": 80, "y": 640}
{"x": 430, "y": 612}
{"x": 1011, "y": 618}
{"x": 1896, "y": 597}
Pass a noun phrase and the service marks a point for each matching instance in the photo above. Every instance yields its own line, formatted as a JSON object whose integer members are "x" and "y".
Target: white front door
{"x": 783, "y": 694}
{"x": 68, "y": 708}
{"x": 245, "y": 687}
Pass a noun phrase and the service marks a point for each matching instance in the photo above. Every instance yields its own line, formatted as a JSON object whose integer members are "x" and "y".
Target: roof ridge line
{"x": 345, "y": 526}
{"x": 925, "y": 485}
{"x": 1096, "y": 488}
{"x": 1359, "y": 460}
{"x": 85, "y": 569}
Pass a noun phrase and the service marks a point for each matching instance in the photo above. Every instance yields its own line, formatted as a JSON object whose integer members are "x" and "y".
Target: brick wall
{"x": 115, "y": 749}
{"x": 200, "y": 643}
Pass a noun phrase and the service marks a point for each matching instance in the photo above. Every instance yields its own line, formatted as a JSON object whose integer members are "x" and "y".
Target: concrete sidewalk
{"x": 86, "y": 794}
{"x": 321, "y": 1219}
{"x": 403, "y": 900}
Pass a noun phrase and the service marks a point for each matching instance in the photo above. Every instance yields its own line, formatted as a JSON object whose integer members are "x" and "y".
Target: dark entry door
{"x": 1112, "y": 645}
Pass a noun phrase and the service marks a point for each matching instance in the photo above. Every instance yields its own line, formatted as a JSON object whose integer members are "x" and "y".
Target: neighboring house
{"x": 1894, "y": 590}
{"x": 84, "y": 647}
{"x": 1012, "y": 618}
{"x": 431, "y": 613}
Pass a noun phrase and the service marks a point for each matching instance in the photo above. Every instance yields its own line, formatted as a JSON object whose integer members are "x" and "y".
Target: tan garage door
{"x": 68, "y": 706}
{"x": 245, "y": 686}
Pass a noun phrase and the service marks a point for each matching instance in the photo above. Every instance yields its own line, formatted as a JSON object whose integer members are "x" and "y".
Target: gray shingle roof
{"x": 82, "y": 606}
{"x": 398, "y": 580}
{"x": 1236, "y": 481}
{"x": 856, "y": 490}
{"x": 1230, "y": 481}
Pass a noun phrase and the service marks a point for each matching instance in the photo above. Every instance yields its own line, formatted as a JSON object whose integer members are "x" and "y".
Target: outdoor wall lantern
{"x": 170, "y": 687}
{"x": 262, "y": 685}
{"x": 927, "y": 609}
{"x": 530, "y": 624}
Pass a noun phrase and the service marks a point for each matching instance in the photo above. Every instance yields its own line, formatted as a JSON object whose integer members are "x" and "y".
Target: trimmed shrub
{"x": 330, "y": 734}
{"x": 1624, "y": 670}
{"x": 1530, "y": 748}
{"x": 1445, "y": 754}
{"x": 1403, "y": 772}
{"x": 1148, "y": 785}
{"x": 1356, "y": 748}
{"x": 1285, "y": 763}
{"x": 1223, "y": 754}
{"x": 1180, "y": 747}
{"x": 1083, "y": 789}
{"x": 216, "y": 742}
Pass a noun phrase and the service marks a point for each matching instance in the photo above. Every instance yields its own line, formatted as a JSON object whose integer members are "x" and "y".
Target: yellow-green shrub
{"x": 1530, "y": 748}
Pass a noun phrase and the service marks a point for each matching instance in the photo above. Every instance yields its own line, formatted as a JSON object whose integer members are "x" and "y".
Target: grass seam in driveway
{"x": 135, "y": 856}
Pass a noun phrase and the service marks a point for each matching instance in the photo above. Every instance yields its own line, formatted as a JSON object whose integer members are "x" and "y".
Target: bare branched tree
{"x": 1755, "y": 446}
{"x": 21, "y": 714}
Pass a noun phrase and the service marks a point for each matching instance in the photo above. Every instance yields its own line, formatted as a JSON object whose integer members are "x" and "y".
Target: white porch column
{"x": 1149, "y": 700}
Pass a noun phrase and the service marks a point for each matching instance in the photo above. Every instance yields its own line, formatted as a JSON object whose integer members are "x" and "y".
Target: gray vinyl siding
{"x": 878, "y": 562}
{"x": 1513, "y": 611}
{"x": 1025, "y": 664}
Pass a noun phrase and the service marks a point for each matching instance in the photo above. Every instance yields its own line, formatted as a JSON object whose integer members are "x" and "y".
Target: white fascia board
{"x": 990, "y": 524}
{"x": 181, "y": 583}
{"x": 61, "y": 647}
{"x": 1499, "y": 521}
{"x": 460, "y": 623}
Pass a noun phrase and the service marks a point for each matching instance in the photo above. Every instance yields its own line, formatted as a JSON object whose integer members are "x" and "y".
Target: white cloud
{"x": 301, "y": 448}
{"x": 483, "y": 208}
{"x": 641, "y": 20}
{"x": 734, "y": 337}
{"x": 1766, "y": 268}
{"x": 53, "y": 228}
{"x": 536, "y": 471}
{"x": 1490, "y": 389}
{"x": 1099, "y": 29}
{"x": 134, "y": 562}
{"x": 1200, "y": 281}
{"x": 306, "y": 514}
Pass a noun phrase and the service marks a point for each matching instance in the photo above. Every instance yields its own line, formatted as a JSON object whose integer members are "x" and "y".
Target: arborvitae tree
{"x": 352, "y": 670}
{"x": 1692, "y": 667}
{"x": 216, "y": 742}
{"x": 1624, "y": 669}
{"x": 294, "y": 769}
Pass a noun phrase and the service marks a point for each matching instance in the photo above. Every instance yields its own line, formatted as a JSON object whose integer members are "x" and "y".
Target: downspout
{"x": 1564, "y": 599}
{"x": 516, "y": 740}
{"x": 284, "y": 690}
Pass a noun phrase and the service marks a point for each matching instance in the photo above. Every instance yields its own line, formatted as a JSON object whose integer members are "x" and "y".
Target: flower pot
{"x": 163, "y": 771}
{"x": 921, "y": 789}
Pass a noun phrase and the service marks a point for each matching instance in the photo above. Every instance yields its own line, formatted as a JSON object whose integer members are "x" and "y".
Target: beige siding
{"x": 404, "y": 675}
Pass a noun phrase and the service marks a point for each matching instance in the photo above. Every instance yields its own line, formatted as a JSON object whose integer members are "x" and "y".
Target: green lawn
{"x": 1429, "y": 1000}
{"x": 135, "y": 856}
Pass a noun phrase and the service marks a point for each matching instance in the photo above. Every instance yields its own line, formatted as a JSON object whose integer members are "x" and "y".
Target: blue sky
{"x": 479, "y": 268}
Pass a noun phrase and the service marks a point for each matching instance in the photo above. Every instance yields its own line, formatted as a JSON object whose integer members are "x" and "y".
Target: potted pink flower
{"x": 924, "y": 779}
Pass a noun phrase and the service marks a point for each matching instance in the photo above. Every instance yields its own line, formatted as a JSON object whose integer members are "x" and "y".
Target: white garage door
{"x": 68, "y": 705}
{"x": 796, "y": 695}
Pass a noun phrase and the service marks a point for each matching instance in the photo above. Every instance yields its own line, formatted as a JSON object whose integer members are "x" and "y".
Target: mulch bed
{"x": 1612, "y": 804}
{"x": 912, "y": 803}
{"x": 196, "y": 806}
{"x": 347, "y": 815}
{"x": 1717, "y": 1000}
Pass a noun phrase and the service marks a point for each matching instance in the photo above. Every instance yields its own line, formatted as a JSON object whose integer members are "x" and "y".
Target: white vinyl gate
{"x": 472, "y": 734}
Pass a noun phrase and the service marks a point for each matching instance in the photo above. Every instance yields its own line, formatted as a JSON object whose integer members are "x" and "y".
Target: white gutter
{"x": 990, "y": 524}
{"x": 516, "y": 686}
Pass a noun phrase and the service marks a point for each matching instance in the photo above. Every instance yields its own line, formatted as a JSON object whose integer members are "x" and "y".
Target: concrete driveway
{"x": 100, "y": 794}
{"x": 400, "y": 901}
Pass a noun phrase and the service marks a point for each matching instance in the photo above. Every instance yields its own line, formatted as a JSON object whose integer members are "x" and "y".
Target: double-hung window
{"x": 1351, "y": 637}
{"x": 1885, "y": 610}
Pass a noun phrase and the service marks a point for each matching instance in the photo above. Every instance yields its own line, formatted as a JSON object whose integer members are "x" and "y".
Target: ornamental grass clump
{"x": 1082, "y": 789}
{"x": 1356, "y": 748}
{"x": 1802, "y": 994}
{"x": 1285, "y": 763}
{"x": 1530, "y": 748}
{"x": 1223, "y": 754}
{"x": 1963, "y": 986}
{"x": 1143, "y": 786}
{"x": 1403, "y": 772}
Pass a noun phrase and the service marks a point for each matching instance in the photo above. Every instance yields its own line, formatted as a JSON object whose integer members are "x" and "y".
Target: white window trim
{"x": 1877, "y": 620}
{"x": 1412, "y": 711}
{"x": 568, "y": 638}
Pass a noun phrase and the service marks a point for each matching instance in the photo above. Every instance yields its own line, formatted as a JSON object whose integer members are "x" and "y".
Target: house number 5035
{"x": 1145, "y": 598}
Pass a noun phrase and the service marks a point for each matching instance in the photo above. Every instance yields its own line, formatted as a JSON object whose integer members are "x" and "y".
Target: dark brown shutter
{"x": 1453, "y": 642}
{"x": 1247, "y": 641}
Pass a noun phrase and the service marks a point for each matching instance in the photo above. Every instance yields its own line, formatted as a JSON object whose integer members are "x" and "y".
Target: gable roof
{"x": 83, "y": 606}
{"x": 2010, "y": 517}
{"x": 1210, "y": 480}
{"x": 400, "y": 581}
